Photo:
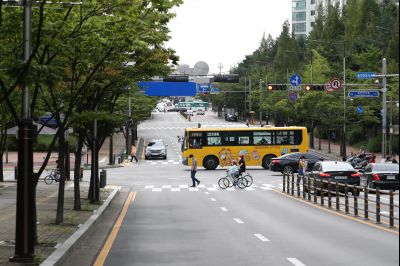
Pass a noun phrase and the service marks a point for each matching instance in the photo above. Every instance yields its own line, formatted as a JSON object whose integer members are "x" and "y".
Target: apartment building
{"x": 304, "y": 13}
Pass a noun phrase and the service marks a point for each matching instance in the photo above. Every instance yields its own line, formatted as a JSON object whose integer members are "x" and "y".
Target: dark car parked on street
{"x": 230, "y": 117}
{"x": 341, "y": 172}
{"x": 289, "y": 163}
{"x": 381, "y": 175}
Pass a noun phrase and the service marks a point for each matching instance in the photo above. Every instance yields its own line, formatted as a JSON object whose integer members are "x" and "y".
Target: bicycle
{"x": 248, "y": 177}
{"x": 238, "y": 181}
{"x": 53, "y": 175}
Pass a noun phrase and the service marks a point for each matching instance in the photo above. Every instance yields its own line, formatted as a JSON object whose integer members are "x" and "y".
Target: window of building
{"x": 299, "y": 27}
{"x": 313, "y": 2}
{"x": 299, "y": 16}
{"x": 312, "y": 12}
{"x": 299, "y": 5}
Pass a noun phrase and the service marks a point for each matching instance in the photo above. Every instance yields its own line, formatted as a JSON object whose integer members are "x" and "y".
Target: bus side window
{"x": 195, "y": 143}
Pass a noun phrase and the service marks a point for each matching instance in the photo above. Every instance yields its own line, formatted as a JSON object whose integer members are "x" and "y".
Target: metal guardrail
{"x": 307, "y": 188}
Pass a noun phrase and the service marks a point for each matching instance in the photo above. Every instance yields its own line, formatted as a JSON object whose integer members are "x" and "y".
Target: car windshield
{"x": 386, "y": 167}
{"x": 156, "y": 143}
{"x": 337, "y": 166}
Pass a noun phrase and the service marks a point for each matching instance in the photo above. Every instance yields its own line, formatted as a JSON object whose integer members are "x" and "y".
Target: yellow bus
{"x": 219, "y": 146}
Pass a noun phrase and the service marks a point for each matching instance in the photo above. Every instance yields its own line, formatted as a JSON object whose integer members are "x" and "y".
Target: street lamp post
{"x": 384, "y": 108}
{"x": 25, "y": 216}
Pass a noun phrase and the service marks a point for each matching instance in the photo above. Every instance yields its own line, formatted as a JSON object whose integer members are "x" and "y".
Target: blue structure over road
{"x": 167, "y": 88}
{"x": 363, "y": 94}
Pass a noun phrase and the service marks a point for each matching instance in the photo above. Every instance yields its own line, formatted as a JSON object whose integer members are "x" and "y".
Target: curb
{"x": 57, "y": 257}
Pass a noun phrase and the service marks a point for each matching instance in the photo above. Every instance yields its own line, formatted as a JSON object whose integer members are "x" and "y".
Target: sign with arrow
{"x": 363, "y": 94}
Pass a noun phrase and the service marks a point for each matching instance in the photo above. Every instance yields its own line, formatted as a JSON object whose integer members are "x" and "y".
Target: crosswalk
{"x": 145, "y": 127}
{"x": 164, "y": 162}
{"x": 208, "y": 187}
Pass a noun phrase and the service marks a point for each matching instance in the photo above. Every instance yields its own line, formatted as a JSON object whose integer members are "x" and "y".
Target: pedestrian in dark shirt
{"x": 242, "y": 164}
{"x": 193, "y": 171}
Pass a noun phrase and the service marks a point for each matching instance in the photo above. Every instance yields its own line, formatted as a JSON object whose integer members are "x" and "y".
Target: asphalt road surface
{"x": 168, "y": 223}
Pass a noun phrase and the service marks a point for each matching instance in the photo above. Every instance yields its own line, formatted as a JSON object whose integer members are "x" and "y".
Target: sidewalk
{"x": 50, "y": 235}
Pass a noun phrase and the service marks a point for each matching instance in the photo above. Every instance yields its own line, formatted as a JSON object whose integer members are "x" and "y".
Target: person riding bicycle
{"x": 242, "y": 164}
{"x": 233, "y": 171}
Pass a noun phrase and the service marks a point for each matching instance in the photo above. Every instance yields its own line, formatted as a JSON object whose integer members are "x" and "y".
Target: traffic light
{"x": 315, "y": 87}
{"x": 231, "y": 78}
{"x": 176, "y": 78}
{"x": 276, "y": 87}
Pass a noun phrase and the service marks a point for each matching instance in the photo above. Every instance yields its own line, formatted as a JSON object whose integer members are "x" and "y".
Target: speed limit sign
{"x": 335, "y": 84}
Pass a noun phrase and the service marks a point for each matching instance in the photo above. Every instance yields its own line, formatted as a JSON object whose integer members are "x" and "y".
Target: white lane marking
{"x": 268, "y": 185}
{"x": 153, "y": 163}
{"x": 213, "y": 199}
{"x": 170, "y": 161}
{"x": 193, "y": 189}
{"x": 207, "y": 193}
{"x": 175, "y": 189}
{"x": 296, "y": 262}
{"x": 164, "y": 163}
{"x": 212, "y": 189}
{"x": 249, "y": 188}
{"x": 156, "y": 190}
{"x": 266, "y": 188}
{"x": 238, "y": 220}
{"x": 166, "y": 186}
{"x": 215, "y": 185}
{"x": 261, "y": 237}
{"x": 223, "y": 209}
{"x": 147, "y": 187}
{"x": 201, "y": 186}
{"x": 176, "y": 162}
{"x": 183, "y": 186}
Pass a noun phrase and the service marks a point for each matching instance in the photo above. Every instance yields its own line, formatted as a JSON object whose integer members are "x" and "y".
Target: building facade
{"x": 304, "y": 13}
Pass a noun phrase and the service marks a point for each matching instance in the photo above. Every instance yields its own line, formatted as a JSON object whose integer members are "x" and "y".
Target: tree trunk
{"x": 312, "y": 135}
{"x": 319, "y": 139}
{"x": 329, "y": 142}
{"x": 61, "y": 185}
{"x": 77, "y": 173}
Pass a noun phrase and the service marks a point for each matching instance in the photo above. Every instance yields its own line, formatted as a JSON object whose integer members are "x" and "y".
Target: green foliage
{"x": 374, "y": 144}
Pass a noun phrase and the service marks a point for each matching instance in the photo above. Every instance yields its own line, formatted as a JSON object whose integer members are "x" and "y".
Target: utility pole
{"x": 384, "y": 108}
{"x": 25, "y": 215}
{"x": 220, "y": 66}
{"x": 344, "y": 151}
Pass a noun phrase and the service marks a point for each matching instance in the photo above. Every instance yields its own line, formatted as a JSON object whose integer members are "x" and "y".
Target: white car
{"x": 189, "y": 112}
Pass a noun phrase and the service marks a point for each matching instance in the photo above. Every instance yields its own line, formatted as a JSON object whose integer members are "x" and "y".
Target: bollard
{"x": 288, "y": 184}
{"x": 284, "y": 183}
{"x": 391, "y": 209}
{"x": 346, "y": 198}
{"x": 366, "y": 203}
{"x": 322, "y": 194}
{"x": 378, "y": 206}
{"x": 292, "y": 191}
{"x": 315, "y": 190}
{"x": 355, "y": 192}
{"x": 329, "y": 194}
{"x": 337, "y": 196}
{"x": 15, "y": 172}
{"x": 304, "y": 186}
{"x": 308, "y": 189}
{"x": 298, "y": 186}
{"x": 103, "y": 178}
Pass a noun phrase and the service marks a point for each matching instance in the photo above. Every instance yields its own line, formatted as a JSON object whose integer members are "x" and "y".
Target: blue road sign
{"x": 293, "y": 96}
{"x": 365, "y": 75}
{"x": 360, "y": 109}
{"x": 295, "y": 80}
{"x": 167, "y": 88}
{"x": 203, "y": 88}
{"x": 363, "y": 94}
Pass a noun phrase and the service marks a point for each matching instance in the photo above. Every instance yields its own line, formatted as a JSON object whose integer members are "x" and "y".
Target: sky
{"x": 224, "y": 31}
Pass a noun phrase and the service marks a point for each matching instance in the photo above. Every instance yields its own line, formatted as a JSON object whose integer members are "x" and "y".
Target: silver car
{"x": 156, "y": 148}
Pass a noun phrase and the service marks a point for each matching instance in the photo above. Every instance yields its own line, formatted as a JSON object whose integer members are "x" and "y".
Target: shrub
{"x": 374, "y": 144}
{"x": 355, "y": 135}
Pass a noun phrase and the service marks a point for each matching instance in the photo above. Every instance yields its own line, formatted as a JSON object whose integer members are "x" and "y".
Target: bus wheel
{"x": 267, "y": 160}
{"x": 210, "y": 162}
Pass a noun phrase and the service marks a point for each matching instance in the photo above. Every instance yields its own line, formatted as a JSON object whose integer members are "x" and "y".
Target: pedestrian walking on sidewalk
{"x": 133, "y": 153}
{"x": 303, "y": 164}
{"x": 193, "y": 171}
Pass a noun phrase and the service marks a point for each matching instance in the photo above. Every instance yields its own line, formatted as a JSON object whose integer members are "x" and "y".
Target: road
{"x": 168, "y": 223}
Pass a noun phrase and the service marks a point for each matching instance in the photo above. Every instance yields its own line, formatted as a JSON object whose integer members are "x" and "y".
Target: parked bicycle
{"x": 227, "y": 181}
{"x": 53, "y": 175}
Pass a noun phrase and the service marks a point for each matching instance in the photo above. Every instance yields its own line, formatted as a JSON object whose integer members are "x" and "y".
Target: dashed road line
{"x": 261, "y": 237}
{"x": 238, "y": 220}
{"x": 296, "y": 262}
{"x": 223, "y": 209}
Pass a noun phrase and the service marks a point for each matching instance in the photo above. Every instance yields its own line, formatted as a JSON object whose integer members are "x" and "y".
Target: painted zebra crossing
{"x": 176, "y": 162}
{"x": 211, "y": 187}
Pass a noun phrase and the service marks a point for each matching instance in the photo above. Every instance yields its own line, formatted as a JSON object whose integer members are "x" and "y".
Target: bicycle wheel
{"x": 48, "y": 179}
{"x": 242, "y": 182}
{"x": 223, "y": 182}
{"x": 249, "y": 179}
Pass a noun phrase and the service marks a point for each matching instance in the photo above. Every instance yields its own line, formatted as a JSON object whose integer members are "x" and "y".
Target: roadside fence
{"x": 335, "y": 195}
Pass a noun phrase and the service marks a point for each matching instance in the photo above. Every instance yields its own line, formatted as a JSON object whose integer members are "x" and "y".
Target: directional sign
{"x": 167, "y": 88}
{"x": 335, "y": 84}
{"x": 363, "y": 94}
{"x": 366, "y": 75}
{"x": 203, "y": 88}
{"x": 360, "y": 109}
{"x": 295, "y": 80}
